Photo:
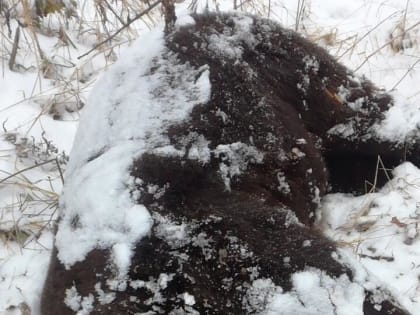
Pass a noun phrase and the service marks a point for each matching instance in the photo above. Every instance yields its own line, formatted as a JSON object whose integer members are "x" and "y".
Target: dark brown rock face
{"x": 285, "y": 122}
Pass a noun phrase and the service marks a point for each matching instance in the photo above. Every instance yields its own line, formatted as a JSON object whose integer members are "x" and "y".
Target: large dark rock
{"x": 280, "y": 133}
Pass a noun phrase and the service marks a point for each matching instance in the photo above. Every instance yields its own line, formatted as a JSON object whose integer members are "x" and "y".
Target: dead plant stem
{"x": 28, "y": 168}
{"x": 136, "y": 17}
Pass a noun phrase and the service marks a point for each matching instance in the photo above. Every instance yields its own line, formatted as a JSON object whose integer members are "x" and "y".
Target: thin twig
{"x": 384, "y": 45}
{"x": 299, "y": 13}
{"x": 405, "y": 74}
{"x": 365, "y": 35}
{"x": 384, "y": 168}
{"x": 59, "y": 170}
{"x": 138, "y": 16}
{"x": 113, "y": 12}
{"x": 27, "y": 169}
{"x": 14, "y": 49}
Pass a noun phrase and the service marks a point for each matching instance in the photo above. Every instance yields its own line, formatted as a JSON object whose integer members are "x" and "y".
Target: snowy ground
{"x": 39, "y": 116}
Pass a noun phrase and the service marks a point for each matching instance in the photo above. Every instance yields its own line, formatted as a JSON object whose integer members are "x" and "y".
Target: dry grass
{"x": 60, "y": 89}
{"x": 30, "y": 213}
{"x": 364, "y": 226}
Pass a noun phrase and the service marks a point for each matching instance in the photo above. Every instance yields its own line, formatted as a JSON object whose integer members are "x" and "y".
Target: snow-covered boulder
{"x": 199, "y": 162}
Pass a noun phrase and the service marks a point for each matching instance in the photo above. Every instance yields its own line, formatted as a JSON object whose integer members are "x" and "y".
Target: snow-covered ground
{"x": 377, "y": 232}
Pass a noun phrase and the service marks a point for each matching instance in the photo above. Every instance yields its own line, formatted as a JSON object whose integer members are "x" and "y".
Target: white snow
{"x": 283, "y": 186}
{"x": 405, "y": 114}
{"x": 176, "y": 235}
{"x": 189, "y": 299}
{"x": 381, "y": 228}
{"x": 73, "y": 299}
{"x": 225, "y": 44}
{"x": 86, "y": 305}
{"x": 80, "y": 305}
{"x": 313, "y": 293}
{"x": 235, "y": 158}
{"x": 103, "y": 297}
{"x": 199, "y": 149}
